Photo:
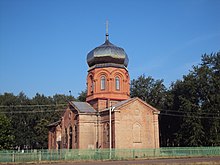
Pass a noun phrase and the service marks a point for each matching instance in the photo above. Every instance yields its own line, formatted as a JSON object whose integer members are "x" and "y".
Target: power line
{"x": 60, "y": 110}
{"x": 57, "y": 105}
{"x": 35, "y": 111}
{"x": 200, "y": 117}
{"x": 25, "y": 106}
{"x": 205, "y": 113}
{"x": 164, "y": 112}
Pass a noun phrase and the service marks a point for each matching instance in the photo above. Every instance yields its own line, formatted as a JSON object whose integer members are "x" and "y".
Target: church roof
{"x": 55, "y": 123}
{"x": 83, "y": 107}
{"x": 122, "y": 103}
{"x": 107, "y": 53}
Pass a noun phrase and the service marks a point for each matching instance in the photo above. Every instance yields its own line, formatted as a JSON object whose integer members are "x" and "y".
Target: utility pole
{"x": 110, "y": 131}
{"x": 111, "y": 109}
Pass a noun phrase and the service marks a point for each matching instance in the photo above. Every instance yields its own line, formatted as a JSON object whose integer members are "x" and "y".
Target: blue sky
{"x": 44, "y": 43}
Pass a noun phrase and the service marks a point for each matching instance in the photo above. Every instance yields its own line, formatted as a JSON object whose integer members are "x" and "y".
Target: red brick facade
{"x": 115, "y": 87}
{"x": 86, "y": 125}
{"x": 134, "y": 125}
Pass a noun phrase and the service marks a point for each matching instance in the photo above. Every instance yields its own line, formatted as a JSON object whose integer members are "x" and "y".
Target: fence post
{"x": 39, "y": 156}
{"x": 13, "y": 156}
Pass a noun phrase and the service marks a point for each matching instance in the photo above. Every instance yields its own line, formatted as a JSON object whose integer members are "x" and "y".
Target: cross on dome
{"x": 106, "y": 34}
{"x": 107, "y": 54}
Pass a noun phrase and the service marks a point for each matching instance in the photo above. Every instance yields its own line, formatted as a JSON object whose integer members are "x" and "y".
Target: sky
{"x": 44, "y": 43}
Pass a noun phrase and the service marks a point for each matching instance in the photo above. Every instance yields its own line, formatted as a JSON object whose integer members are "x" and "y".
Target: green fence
{"x": 104, "y": 154}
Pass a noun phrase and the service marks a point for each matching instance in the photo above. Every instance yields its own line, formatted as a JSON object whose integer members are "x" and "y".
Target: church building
{"x": 109, "y": 118}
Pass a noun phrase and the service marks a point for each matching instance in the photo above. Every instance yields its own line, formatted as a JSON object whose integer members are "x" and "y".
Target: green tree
{"x": 82, "y": 96}
{"x": 208, "y": 74}
{"x": 41, "y": 131}
{"x": 46, "y": 110}
{"x": 6, "y": 137}
{"x": 150, "y": 90}
{"x": 196, "y": 102}
{"x": 8, "y": 99}
{"x": 62, "y": 99}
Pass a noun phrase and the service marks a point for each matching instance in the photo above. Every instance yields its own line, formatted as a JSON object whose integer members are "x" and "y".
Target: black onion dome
{"x": 107, "y": 53}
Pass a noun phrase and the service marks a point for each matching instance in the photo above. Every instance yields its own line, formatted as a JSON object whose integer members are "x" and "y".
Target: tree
{"x": 150, "y": 90}
{"x": 62, "y": 99}
{"x": 41, "y": 129}
{"x": 82, "y": 96}
{"x": 30, "y": 117}
{"x": 208, "y": 74}
{"x": 196, "y": 102}
{"x": 6, "y": 137}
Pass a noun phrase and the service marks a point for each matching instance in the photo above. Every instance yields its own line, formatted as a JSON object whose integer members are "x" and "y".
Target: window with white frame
{"x": 103, "y": 82}
{"x": 117, "y": 83}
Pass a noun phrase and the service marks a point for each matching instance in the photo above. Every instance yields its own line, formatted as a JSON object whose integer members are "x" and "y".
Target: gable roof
{"x": 54, "y": 124}
{"x": 83, "y": 107}
{"x": 125, "y": 102}
{"x": 122, "y": 103}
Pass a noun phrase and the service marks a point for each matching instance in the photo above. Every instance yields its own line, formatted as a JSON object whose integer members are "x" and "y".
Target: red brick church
{"x": 109, "y": 118}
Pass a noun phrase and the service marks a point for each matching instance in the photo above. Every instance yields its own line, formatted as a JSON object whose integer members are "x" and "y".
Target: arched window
{"x": 66, "y": 139}
{"x": 70, "y": 138}
{"x": 106, "y": 133}
{"x": 103, "y": 83}
{"x": 117, "y": 83}
{"x": 76, "y": 133}
{"x": 92, "y": 84}
{"x": 136, "y": 133}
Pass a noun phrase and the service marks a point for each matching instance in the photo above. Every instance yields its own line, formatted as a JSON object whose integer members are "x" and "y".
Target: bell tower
{"x": 108, "y": 79}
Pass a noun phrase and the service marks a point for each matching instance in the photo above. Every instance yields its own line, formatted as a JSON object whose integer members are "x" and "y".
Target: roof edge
{"x": 137, "y": 98}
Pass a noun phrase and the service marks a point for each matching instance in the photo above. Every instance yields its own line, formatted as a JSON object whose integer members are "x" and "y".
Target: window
{"x": 136, "y": 133}
{"x": 106, "y": 133}
{"x": 76, "y": 133}
{"x": 103, "y": 81}
{"x": 66, "y": 139}
{"x": 70, "y": 138}
{"x": 92, "y": 84}
{"x": 70, "y": 115}
{"x": 117, "y": 83}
